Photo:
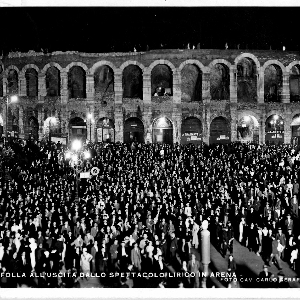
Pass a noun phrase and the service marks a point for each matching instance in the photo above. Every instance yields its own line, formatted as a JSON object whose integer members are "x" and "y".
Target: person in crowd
{"x": 85, "y": 261}
{"x": 194, "y": 267}
{"x": 265, "y": 278}
{"x": 152, "y": 197}
{"x": 231, "y": 264}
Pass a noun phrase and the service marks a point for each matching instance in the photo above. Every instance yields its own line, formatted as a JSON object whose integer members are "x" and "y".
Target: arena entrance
{"x": 105, "y": 130}
{"x": 77, "y": 129}
{"x": 133, "y": 130}
{"x": 274, "y": 130}
{"x": 296, "y": 130}
{"x": 162, "y": 131}
{"x": 219, "y": 131}
{"x": 248, "y": 129}
{"x": 33, "y": 128}
{"x": 191, "y": 131}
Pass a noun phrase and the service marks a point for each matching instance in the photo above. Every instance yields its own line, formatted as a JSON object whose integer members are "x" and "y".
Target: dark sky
{"x": 101, "y": 29}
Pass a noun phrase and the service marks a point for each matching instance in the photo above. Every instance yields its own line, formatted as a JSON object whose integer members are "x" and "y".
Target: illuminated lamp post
{"x": 76, "y": 156}
{"x": 205, "y": 250}
{"x": 52, "y": 119}
{"x": 91, "y": 120}
{"x": 9, "y": 100}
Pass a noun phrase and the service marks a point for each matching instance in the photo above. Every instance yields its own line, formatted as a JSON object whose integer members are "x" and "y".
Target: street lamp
{"x": 76, "y": 156}
{"x": 91, "y": 120}
{"x": 51, "y": 119}
{"x": 13, "y": 99}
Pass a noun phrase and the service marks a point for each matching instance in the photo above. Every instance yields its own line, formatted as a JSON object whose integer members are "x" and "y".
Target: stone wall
{"x": 204, "y": 84}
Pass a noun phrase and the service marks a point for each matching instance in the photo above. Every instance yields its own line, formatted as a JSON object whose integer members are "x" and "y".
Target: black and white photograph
{"x": 149, "y": 147}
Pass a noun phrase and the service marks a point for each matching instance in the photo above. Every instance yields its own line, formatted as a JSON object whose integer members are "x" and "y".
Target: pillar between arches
{"x": 286, "y": 88}
{"x": 233, "y": 84}
{"x": 261, "y": 87}
{"x": 21, "y": 122}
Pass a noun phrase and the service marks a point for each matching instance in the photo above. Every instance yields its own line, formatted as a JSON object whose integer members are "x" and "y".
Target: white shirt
{"x": 188, "y": 211}
{"x": 15, "y": 228}
{"x": 1, "y": 252}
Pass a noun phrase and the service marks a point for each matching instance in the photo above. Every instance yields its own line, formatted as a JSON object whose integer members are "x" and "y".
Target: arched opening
{"x": 33, "y": 128}
{"x": 104, "y": 81}
{"x": 133, "y": 130}
{"x": 1, "y": 126}
{"x": 191, "y": 131}
{"x": 77, "y": 82}
{"x": 77, "y": 129}
{"x": 219, "y": 131}
{"x": 246, "y": 80}
{"x": 31, "y": 77}
{"x": 219, "y": 82}
{"x": 248, "y": 129}
{"x": 273, "y": 83}
{"x": 162, "y": 131}
{"x": 13, "y": 82}
{"x": 13, "y": 122}
{"x": 105, "y": 130}
{"x": 295, "y": 84}
{"x": 274, "y": 130}
{"x": 191, "y": 83}
{"x": 52, "y": 127}
{"x": 132, "y": 82}
{"x": 30, "y": 116}
{"x": 53, "y": 82}
{"x": 161, "y": 81}
{"x": 295, "y": 128}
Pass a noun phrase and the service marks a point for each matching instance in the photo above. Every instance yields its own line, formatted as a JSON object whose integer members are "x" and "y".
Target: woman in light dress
{"x": 85, "y": 262}
{"x": 33, "y": 247}
{"x": 195, "y": 230}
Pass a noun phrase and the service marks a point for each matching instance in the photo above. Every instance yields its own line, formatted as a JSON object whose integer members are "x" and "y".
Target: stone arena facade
{"x": 168, "y": 96}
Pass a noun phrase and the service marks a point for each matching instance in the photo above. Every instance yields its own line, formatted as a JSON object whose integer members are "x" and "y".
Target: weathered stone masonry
{"x": 231, "y": 84}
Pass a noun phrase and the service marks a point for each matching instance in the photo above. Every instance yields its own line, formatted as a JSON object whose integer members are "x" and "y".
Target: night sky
{"x": 101, "y": 29}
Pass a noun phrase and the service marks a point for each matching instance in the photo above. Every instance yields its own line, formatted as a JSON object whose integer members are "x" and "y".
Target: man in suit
{"x": 164, "y": 246}
{"x": 123, "y": 256}
{"x": 231, "y": 264}
{"x": 173, "y": 248}
{"x": 280, "y": 237}
{"x": 149, "y": 263}
{"x": 136, "y": 257}
{"x": 289, "y": 224}
{"x": 159, "y": 265}
{"x": 66, "y": 227}
{"x": 77, "y": 229}
{"x": 295, "y": 206}
{"x": 113, "y": 253}
{"x": 194, "y": 267}
{"x": 265, "y": 278}
{"x": 148, "y": 266}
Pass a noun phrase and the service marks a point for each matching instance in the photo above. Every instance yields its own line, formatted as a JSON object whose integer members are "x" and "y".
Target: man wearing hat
{"x": 265, "y": 278}
{"x": 282, "y": 241}
{"x": 281, "y": 281}
{"x": 124, "y": 257}
{"x": 225, "y": 240}
{"x": 289, "y": 223}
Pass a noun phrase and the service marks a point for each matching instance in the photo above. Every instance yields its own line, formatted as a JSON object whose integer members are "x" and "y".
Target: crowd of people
{"x": 142, "y": 213}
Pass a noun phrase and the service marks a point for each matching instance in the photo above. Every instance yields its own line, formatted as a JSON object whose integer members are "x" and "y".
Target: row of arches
{"x": 248, "y": 129}
{"x": 191, "y": 76}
